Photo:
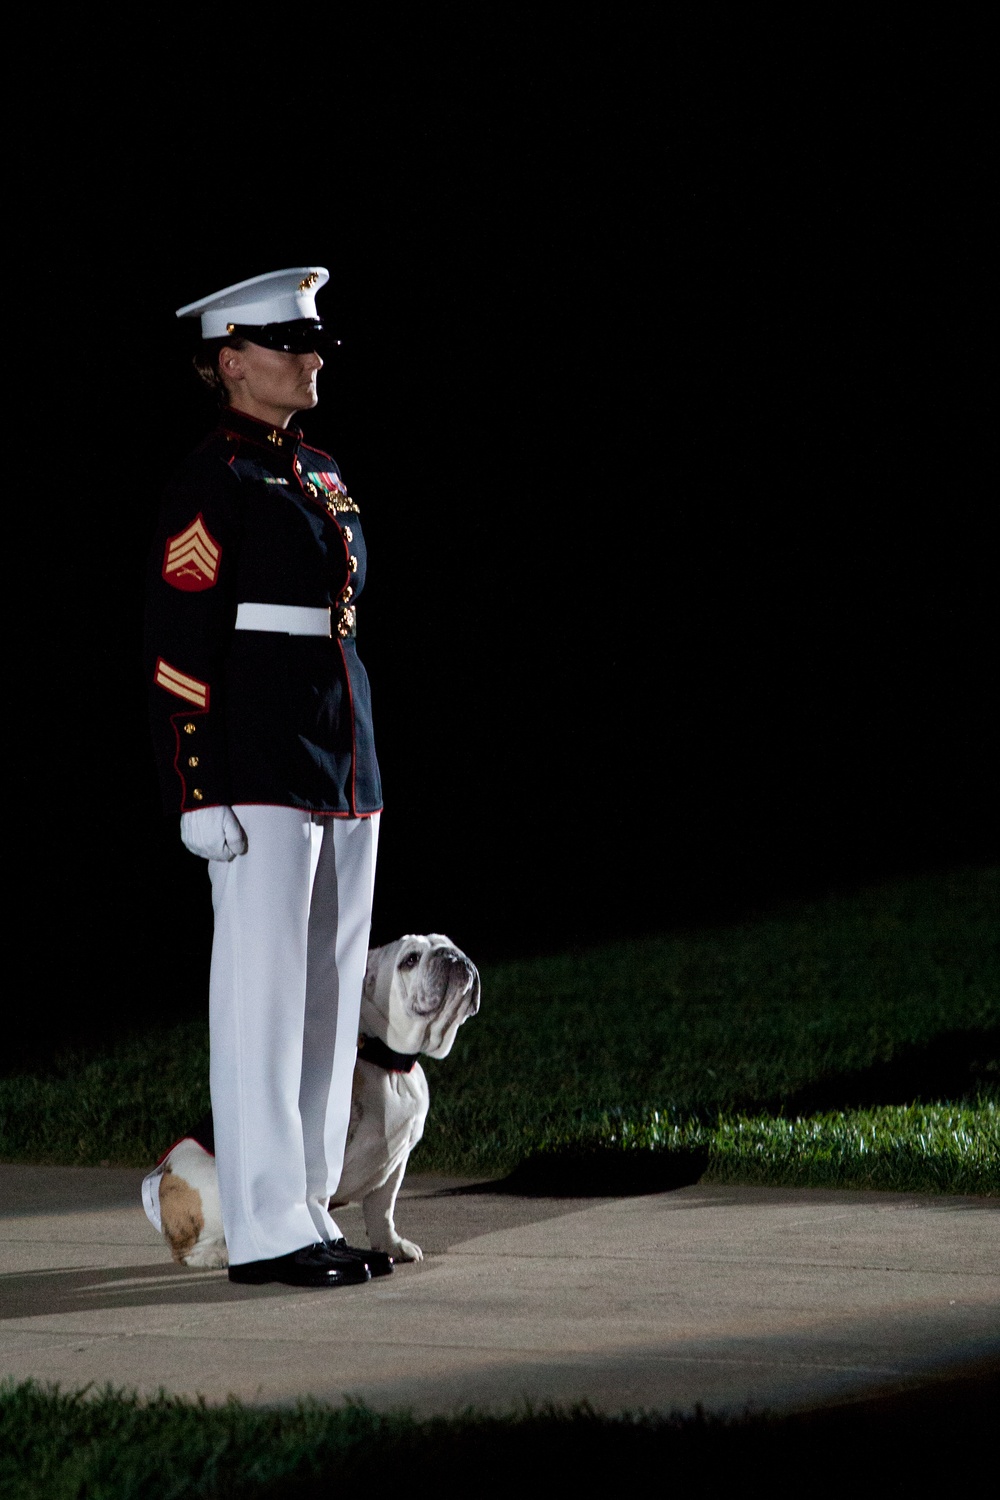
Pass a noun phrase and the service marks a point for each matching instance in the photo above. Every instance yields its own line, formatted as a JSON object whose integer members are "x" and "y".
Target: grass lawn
{"x": 114, "y": 1446}
{"x": 850, "y": 1042}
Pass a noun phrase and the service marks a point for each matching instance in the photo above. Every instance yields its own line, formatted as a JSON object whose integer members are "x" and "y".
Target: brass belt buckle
{"x": 347, "y": 623}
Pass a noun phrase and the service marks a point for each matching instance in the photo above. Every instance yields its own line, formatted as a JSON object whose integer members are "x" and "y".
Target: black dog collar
{"x": 371, "y": 1050}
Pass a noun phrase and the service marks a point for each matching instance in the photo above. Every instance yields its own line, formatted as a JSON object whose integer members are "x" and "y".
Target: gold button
{"x": 349, "y": 533}
{"x": 354, "y": 563}
{"x": 346, "y": 594}
{"x": 230, "y": 327}
{"x": 298, "y": 467}
{"x": 192, "y": 760}
{"x": 189, "y": 728}
{"x": 198, "y": 794}
{"x": 311, "y": 489}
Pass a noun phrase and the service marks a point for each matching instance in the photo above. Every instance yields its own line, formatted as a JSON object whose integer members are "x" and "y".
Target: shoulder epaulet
{"x": 320, "y": 452}
{"x": 209, "y": 459}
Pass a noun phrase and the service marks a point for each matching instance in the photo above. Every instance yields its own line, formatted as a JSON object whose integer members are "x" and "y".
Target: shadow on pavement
{"x": 34, "y": 1294}
{"x": 597, "y": 1172}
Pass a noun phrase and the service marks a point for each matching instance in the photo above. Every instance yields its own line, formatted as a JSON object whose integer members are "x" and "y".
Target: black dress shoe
{"x": 313, "y": 1265}
{"x": 377, "y": 1261}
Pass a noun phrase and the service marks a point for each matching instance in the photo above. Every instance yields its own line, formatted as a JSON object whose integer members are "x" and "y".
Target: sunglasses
{"x": 303, "y": 336}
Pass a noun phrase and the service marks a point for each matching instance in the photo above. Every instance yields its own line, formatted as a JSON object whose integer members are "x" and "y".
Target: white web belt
{"x": 285, "y": 619}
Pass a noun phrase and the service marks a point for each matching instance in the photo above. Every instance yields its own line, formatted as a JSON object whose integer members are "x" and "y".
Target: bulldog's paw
{"x": 210, "y": 1257}
{"x": 406, "y": 1250}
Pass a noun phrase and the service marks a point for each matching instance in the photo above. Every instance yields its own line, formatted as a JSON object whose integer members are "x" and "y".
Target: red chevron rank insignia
{"x": 191, "y": 559}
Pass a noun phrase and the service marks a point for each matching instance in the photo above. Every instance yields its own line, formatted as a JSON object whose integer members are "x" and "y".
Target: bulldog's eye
{"x": 409, "y": 962}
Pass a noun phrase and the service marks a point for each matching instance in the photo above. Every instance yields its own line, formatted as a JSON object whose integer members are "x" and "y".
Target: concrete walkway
{"x": 732, "y": 1297}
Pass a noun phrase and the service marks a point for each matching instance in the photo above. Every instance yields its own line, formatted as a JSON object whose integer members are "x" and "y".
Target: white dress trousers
{"x": 292, "y": 919}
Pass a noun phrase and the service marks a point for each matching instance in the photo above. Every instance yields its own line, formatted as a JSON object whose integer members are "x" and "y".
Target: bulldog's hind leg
{"x": 379, "y": 1207}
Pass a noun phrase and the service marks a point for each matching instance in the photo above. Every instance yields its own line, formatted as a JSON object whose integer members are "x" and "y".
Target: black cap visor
{"x": 302, "y": 336}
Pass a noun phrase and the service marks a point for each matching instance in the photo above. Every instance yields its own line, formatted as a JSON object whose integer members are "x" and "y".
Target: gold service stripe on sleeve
{"x": 188, "y": 688}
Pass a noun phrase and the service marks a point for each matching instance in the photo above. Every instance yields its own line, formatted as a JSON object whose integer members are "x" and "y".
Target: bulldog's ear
{"x": 471, "y": 1005}
{"x": 474, "y": 997}
{"x": 371, "y": 972}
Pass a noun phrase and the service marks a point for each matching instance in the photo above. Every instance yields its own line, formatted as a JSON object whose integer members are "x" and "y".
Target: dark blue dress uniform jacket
{"x": 257, "y": 516}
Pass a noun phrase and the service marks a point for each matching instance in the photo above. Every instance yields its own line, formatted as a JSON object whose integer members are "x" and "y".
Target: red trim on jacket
{"x": 354, "y": 737}
{"x": 314, "y": 812}
{"x": 193, "y": 713}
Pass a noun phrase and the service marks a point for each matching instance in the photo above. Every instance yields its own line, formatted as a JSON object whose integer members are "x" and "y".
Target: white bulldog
{"x": 417, "y": 992}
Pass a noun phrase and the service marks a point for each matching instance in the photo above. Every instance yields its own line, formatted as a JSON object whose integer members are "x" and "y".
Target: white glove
{"x": 213, "y": 833}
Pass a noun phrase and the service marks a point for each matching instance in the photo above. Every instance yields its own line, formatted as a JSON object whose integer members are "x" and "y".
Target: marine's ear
{"x": 231, "y": 364}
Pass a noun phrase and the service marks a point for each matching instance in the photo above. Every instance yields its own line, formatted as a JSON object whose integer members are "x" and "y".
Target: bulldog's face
{"x": 417, "y": 993}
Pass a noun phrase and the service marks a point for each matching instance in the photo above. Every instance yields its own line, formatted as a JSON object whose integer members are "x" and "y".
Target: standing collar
{"x": 274, "y": 440}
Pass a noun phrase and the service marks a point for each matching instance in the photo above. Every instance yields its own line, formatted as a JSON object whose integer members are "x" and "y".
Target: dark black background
{"x": 661, "y": 391}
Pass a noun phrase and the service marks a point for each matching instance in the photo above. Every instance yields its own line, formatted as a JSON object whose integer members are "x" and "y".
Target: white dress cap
{"x": 276, "y": 297}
